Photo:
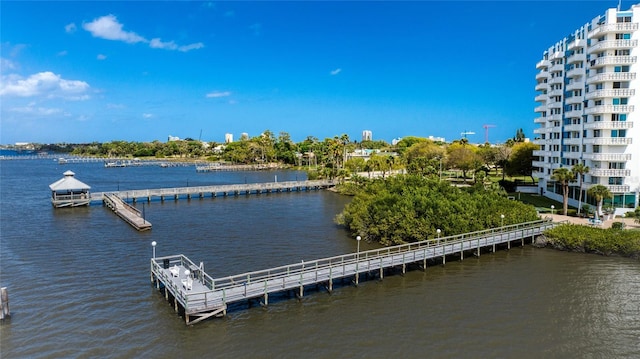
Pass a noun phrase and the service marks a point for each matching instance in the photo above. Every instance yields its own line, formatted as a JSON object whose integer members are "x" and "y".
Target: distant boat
{"x": 62, "y": 160}
{"x": 115, "y": 164}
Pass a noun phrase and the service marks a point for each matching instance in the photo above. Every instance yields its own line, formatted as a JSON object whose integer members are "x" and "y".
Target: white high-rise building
{"x": 367, "y": 135}
{"x": 588, "y": 109}
{"x": 228, "y": 137}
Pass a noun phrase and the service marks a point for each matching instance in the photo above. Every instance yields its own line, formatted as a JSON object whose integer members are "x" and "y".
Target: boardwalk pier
{"x": 216, "y": 190}
{"x": 127, "y": 212}
{"x": 200, "y": 296}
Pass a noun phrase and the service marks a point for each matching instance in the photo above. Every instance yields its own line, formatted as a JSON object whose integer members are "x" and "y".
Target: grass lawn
{"x": 542, "y": 203}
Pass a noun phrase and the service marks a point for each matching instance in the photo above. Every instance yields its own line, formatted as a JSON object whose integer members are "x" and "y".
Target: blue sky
{"x": 144, "y": 70}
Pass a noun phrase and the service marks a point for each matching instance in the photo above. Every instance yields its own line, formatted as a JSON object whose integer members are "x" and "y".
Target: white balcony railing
{"x": 608, "y": 125}
{"x": 616, "y": 157}
{"x": 573, "y": 127}
{"x": 541, "y": 97}
{"x": 572, "y": 141}
{"x": 612, "y": 76}
{"x": 611, "y": 141}
{"x": 576, "y": 85}
{"x": 540, "y": 120}
{"x": 618, "y": 188}
{"x": 573, "y": 99}
{"x": 613, "y": 60}
{"x": 541, "y": 153}
{"x": 597, "y": 172}
{"x": 575, "y": 72}
{"x": 542, "y": 86}
{"x": 609, "y": 109}
{"x": 541, "y": 108}
{"x": 556, "y": 80}
{"x": 623, "y": 26}
{"x": 613, "y": 44}
{"x": 574, "y": 113}
{"x": 542, "y": 64}
{"x": 610, "y": 93}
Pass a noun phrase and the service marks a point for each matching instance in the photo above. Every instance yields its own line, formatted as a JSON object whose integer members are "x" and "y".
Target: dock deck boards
{"x": 209, "y": 296}
{"x": 127, "y": 212}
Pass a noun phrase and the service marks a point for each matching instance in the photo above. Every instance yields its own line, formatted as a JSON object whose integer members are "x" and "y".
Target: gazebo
{"x": 69, "y": 192}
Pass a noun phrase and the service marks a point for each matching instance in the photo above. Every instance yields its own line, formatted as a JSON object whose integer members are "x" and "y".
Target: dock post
{"x": 4, "y": 303}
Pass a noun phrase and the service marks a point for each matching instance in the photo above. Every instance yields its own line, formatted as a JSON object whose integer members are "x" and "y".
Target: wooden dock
{"x": 200, "y": 296}
{"x": 126, "y": 211}
{"x": 217, "y": 190}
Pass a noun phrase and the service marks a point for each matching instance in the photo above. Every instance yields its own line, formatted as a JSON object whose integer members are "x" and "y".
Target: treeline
{"x": 412, "y": 208}
{"x": 339, "y": 156}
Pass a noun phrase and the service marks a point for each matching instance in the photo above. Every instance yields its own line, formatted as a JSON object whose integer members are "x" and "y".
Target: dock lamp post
{"x": 438, "y": 231}
{"x": 153, "y": 245}
{"x": 358, "y": 238}
{"x": 502, "y": 220}
{"x": 552, "y": 208}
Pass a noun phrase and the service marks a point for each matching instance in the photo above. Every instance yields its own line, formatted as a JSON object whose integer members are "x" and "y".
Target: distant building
{"x": 228, "y": 137}
{"x": 437, "y": 139}
{"x": 244, "y": 136}
{"x": 587, "y": 90}
{"x": 367, "y": 135}
{"x": 173, "y": 138}
{"x": 395, "y": 141}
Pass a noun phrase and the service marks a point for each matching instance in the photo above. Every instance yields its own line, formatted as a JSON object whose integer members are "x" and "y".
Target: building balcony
{"x": 611, "y": 76}
{"x": 610, "y": 141}
{"x": 609, "y": 157}
{"x": 608, "y": 125}
{"x": 556, "y": 80}
{"x": 554, "y": 118}
{"x": 542, "y": 86}
{"x": 577, "y": 72}
{"x": 618, "y": 188}
{"x": 573, "y": 100}
{"x": 557, "y": 92}
{"x": 576, "y": 58}
{"x": 542, "y": 75}
{"x": 574, "y": 113}
{"x": 538, "y": 164}
{"x": 556, "y": 104}
{"x": 597, "y": 172}
{"x": 541, "y": 153}
{"x": 572, "y": 141}
{"x": 606, "y": 28}
{"x": 575, "y": 127}
{"x": 556, "y": 68}
{"x": 613, "y": 45}
{"x": 541, "y": 108}
{"x": 609, "y": 109}
{"x": 542, "y": 64}
{"x": 610, "y": 93}
{"x": 613, "y": 60}
{"x": 577, "y": 43}
{"x": 541, "y": 97}
{"x": 540, "y": 120}
{"x": 574, "y": 155}
{"x": 575, "y": 85}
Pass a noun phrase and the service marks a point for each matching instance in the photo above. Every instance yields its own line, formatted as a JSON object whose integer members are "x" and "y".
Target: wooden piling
{"x": 4, "y": 303}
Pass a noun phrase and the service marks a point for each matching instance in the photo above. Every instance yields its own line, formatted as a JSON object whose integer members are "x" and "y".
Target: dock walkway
{"x": 201, "y": 296}
{"x": 214, "y": 191}
{"x": 126, "y": 211}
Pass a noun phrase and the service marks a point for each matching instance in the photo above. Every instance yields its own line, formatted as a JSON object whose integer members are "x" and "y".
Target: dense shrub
{"x": 581, "y": 238}
{"x": 411, "y": 208}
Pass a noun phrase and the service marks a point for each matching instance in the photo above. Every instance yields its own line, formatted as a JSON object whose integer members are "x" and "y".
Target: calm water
{"x": 78, "y": 282}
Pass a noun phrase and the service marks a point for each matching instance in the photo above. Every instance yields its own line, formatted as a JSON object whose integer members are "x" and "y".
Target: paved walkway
{"x": 605, "y": 224}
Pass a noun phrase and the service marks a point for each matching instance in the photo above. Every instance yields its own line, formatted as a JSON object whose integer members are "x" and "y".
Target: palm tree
{"x": 564, "y": 176}
{"x": 579, "y": 170}
{"x": 599, "y": 192}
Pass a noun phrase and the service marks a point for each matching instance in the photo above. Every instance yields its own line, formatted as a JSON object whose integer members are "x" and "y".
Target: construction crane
{"x": 486, "y": 132}
{"x": 465, "y": 133}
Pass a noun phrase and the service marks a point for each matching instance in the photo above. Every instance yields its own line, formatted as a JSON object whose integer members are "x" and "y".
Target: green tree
{"x": 463, "y": 157}
{"x": 579, "y": 171}
{"x": 564, "y": 176}
{"x": 599, "y": 193}
{"x": 521, "y": 160}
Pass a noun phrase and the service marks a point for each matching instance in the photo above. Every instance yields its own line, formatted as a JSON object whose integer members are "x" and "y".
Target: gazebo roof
{"x": 68, "y": 183}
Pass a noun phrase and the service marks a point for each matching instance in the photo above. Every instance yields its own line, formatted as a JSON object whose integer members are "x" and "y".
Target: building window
{"x": 597, "y": 133}
{"x": 621, "y": 69}
{"x": 623, "y": 36}
{"x": 618, "y": 133}
{"x": 616, "y": 165}
{"x": 616, "y": 180}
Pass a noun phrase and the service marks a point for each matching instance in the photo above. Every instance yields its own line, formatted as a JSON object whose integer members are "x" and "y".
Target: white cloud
{"x": 62, "y": 53}
{"x": 218, "y": 94}
{"x": 256, "y": 28}
{"x": 101, "y": 57}
{"x": 70, "y": 28}
{"x": 115, "y": 106}
{"x": 335, "y": 72}
{"x": 45, "y": 84}
{"x": 108, "y": 27}
{"x": 7, "y": 65}
{"x": 194, "y": 46}
{"x": 30, "y": 109}
{"x": 147, "y": 115}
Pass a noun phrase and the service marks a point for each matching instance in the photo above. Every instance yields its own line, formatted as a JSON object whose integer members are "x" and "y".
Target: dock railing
{"x": 218, "y": 292}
